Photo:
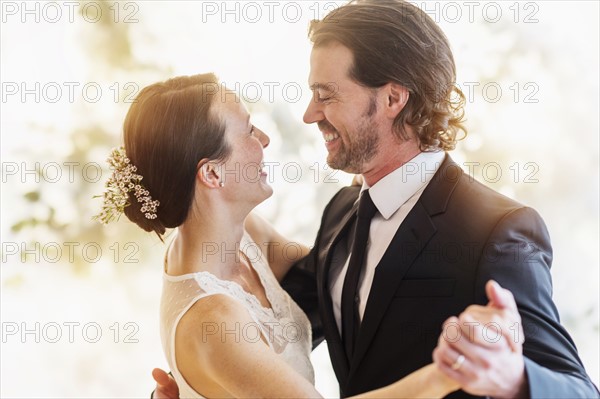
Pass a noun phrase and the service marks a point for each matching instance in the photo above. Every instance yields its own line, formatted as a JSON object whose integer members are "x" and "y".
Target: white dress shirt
{"x": 394, "y": 196}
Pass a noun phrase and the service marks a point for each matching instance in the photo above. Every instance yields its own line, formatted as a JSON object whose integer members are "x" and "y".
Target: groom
{"x": 416, "y": 244}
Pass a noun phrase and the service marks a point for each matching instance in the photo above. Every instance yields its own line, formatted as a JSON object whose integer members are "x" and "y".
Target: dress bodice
{"x": 284, "y": 326}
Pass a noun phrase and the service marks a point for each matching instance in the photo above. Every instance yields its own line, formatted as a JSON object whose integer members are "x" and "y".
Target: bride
{"x": 192, "y": 161}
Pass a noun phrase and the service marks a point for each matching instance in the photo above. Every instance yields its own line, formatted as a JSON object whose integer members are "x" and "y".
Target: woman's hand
{"x": 166, "y": 387}
{"x": 358, "y": 180}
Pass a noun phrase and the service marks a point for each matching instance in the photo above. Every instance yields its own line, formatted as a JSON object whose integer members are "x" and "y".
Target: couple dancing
{"x": 376, "y": 284}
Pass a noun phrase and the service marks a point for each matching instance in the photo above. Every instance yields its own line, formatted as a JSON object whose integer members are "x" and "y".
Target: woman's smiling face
{"x": 243, "y": 170}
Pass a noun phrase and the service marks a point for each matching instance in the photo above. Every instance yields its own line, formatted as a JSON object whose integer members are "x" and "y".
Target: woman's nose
{"x": 263, "y": 138}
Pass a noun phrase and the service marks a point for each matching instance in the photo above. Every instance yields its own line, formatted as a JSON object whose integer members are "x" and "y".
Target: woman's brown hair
{"x": 167, "y": 131}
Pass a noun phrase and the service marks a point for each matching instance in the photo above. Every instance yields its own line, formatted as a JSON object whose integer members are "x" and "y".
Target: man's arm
{"x": 301, "y": 284}
{"x": 518, "y": 255}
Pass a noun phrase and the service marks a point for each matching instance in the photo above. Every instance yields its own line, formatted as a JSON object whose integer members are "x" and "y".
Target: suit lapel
{"x": 334, "y": 341}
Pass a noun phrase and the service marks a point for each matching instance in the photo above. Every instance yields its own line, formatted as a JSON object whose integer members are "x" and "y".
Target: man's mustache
{"x": 325, "y": 126}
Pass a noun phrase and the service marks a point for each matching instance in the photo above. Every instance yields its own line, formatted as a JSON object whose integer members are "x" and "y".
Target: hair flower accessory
{"x": 123, "y": 180}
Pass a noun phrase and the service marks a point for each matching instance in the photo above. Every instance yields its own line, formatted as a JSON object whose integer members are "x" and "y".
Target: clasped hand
{"x": 482, "y": 348}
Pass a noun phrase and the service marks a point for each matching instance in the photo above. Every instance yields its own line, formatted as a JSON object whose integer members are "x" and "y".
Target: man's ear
{"x": 209, "y": 174}
{"x": 396, "y": 99}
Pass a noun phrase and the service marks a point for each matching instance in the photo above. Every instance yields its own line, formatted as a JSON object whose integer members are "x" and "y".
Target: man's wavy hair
{"x": 395, "y": 41}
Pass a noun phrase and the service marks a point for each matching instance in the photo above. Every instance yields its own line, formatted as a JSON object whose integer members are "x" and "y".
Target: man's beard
{"x": 362, "y": 144}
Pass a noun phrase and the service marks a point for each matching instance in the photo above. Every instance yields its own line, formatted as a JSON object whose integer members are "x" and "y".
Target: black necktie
{"x": 350, "y": 315}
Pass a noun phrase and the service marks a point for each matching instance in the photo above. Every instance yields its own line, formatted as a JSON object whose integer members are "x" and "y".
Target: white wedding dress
{"x": 285, "y": 326}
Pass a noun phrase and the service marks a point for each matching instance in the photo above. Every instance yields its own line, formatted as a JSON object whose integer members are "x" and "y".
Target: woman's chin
{"x": 268, "y": 191}
{"x": 265, "y": 193}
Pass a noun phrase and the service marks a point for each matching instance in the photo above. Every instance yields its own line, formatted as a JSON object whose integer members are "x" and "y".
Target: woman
{"x": 228, "y": 328}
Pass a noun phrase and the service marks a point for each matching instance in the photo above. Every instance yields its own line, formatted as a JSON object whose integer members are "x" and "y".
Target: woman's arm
{"x": 281, "y": 253}
{"x": 426, "y": 382}
{"x": 220, "y": 352}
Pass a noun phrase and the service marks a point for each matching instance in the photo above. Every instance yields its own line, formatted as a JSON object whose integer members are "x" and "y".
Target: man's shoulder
{"x": 454, "y": 193}
{"x": 483, "y": 209}
{"x": 451, "y": 184}
{"x": 477, "y": 192}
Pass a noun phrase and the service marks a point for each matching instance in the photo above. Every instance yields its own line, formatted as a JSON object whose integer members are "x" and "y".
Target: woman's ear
{"x": 209, "y": 174}
{"x": 396, "y": 99}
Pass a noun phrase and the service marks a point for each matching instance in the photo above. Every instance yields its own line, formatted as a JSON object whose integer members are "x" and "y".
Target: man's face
{"x": 346, "y": 112}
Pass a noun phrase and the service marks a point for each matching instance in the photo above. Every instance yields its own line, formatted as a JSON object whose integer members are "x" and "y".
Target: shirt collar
{"x": 394, "y": 189}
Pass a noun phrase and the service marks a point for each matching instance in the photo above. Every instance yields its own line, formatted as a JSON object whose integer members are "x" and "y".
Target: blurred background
{"x": 79, "y": 302}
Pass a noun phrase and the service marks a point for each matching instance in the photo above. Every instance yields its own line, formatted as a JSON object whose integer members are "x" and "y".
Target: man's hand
{"x": 166, "y": 387}
{"x": 482, "y": 349}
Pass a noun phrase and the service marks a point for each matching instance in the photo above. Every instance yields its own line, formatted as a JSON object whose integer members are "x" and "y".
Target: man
{"x": 383, "y": 75}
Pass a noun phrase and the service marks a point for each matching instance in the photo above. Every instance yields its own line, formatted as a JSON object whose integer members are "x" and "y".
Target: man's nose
{"x": 313, "y": 112}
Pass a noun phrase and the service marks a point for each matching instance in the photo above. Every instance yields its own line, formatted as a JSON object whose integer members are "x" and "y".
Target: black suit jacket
{"x": 458, "y": 235}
